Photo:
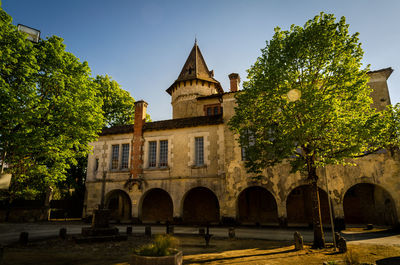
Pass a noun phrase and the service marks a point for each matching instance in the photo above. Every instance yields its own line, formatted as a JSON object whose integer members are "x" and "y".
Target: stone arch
{"x": 365, "y": 203}
{"x": 200, "y": 205}
{"x": 119, "y": 204}
{"x": 156, "y": 206}
{"x": 299, "y": 206}
{"x": 256, "y": 205}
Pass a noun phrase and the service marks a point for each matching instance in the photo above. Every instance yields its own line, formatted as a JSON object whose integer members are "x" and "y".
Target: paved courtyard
{"x": 9, "y": 232}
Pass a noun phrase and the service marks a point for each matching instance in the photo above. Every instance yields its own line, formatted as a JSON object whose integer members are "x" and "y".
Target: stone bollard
{"x": 231, "y": 232}
{"x": 202, "y": 231}
{"x": 129, "y": 230}
{"x": 63, "y": 233}
{"x": 1, "y": 253}
{"x": 342, "y": 245}
{"x": 298, "y": 241}
{"x": 147, "y": 230}
{"x": 337, "y": 237}
{"x": 170, "y": 229}
{"x": 207, "y": 238}
{"x": 23, "y": 238}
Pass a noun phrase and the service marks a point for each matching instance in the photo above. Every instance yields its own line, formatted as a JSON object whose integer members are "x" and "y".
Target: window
{"x": 125, "y": 156}
{"x": 250, "y": 141}
{"x": 243, "y": 154}
{"x": 114, "y": 157}
{"x": 152, "y": 154}
{"x": 119, "y": 157}
{"x": 96, "y": 164}
{"x": 199, "y": 151}
{"x": 212, "y": 109}
{"x": 157, "y": 156}
{"x": 216, "y": 110}
{"x": 163, "y": 160}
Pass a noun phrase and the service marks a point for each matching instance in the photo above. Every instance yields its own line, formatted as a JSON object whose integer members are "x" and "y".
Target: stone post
{"x": 147, "y": 230}
{"x": 49, "y": 197}
{"x": 129, "y": 230}
{"x": 63, "y": 233}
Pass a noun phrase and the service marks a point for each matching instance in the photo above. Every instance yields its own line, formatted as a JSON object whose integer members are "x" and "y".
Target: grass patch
{"x": 163, "y": 245}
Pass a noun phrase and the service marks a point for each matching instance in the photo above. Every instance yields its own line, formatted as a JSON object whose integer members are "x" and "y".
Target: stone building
{"x": 189, "y": 169}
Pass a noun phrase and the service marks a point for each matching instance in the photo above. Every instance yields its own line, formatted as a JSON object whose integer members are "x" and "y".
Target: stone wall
{"x": 226, "y": 186}
{"x": 183, "y": 100}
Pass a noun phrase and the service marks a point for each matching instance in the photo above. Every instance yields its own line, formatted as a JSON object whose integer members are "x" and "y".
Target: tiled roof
{"x": 118, "y": 129}
{"x": 389, "y": 69}
{"x": 386, "y": 71}
{"x": 167, "y": 124}
{"x": 194, "y": 68}
{"x": 216, "y": 95}
{"x": 183, "y": 123}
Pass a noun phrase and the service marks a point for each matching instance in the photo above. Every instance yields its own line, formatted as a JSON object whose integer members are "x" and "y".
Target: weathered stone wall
{"x": 224, "y": 173}
{"x": 184, "y": 102}
{"x": 102, "y": 151}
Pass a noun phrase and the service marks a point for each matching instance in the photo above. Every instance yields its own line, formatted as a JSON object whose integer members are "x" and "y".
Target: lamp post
{"x": 330, "y": 211}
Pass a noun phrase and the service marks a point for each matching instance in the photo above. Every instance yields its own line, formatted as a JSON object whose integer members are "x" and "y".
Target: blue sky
{"x": 144, "y": 44}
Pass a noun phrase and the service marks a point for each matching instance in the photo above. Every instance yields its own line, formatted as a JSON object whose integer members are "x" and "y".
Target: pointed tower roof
{"x": 194, "y": 68}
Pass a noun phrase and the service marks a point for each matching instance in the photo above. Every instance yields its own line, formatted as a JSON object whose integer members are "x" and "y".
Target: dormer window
{"x": 212, "y": 109}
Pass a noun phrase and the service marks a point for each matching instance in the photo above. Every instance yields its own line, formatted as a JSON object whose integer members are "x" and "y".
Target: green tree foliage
{"x": 48, "y": 107}
{"x": 118, "y": 109}
{"x": 118, "y": 105}
{"x": 307, "y": 101}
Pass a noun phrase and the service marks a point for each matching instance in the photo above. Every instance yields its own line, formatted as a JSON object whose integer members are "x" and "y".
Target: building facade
{"x": 190, "y": 169}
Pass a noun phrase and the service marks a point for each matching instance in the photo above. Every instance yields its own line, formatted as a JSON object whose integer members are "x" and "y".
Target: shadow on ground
{"x": 368, "y": 235}
{"x": 389, "y": 261}
{"x": 190, "y": 261}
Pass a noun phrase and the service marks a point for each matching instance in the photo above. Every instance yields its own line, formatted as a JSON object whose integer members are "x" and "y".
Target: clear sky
{"x": 144, "y": 44}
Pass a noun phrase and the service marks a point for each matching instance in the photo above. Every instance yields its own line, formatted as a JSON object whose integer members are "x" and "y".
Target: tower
{"x": 195, "y": 80}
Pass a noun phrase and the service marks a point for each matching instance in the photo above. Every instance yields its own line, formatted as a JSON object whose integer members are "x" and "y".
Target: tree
{"x": 48, "y": 107}
{"x": 307, "y": 102}
{"x": 17, "y": 68}
{"x": 118, "y": 109}
{"x": 118, "y": 105}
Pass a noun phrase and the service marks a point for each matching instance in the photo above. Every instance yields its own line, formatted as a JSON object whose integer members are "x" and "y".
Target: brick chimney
{"x": 235, "y": 81}
{"x": 137, "y": 141}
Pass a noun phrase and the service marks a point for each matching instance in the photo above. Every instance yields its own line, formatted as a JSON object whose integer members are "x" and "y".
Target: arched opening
{"x": 157, "y": 206}
{"x": 366, "y": 203}
{"x": 200, "y": 205}
{"x": 119, "y": 204}
{"x": 299, "y": 206}
{"x": 256, "y": 205}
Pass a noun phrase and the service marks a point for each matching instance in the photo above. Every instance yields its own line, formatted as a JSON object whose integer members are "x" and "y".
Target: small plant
{"x": 352, "y": 258}
{"x": 163, "y": 245}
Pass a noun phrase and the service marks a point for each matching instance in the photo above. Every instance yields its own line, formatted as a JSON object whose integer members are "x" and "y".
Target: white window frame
{"x": 199, "y": 154}
{"x": 119, "y": 167}
{"x": 157, "y": 139}
{"x": 117, "y": 157}
{"x": 192, "y": 149}
{"x": 159, "y": 154}
{"x": 150, "y": 154}
{"x": 122, "y": 156}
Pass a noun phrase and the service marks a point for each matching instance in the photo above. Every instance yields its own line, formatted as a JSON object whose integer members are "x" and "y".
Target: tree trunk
{"x": 319, "y": 240}
{"x": 3, "y": 158}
